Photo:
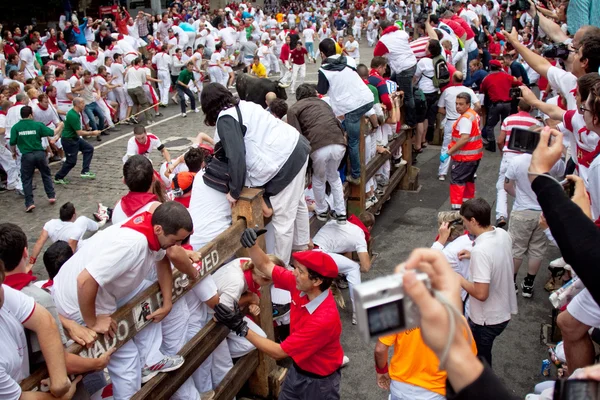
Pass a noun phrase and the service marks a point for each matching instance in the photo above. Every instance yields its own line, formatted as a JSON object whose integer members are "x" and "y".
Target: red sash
{"x": 142, "y": 223}
{"x": 133, "y": 201}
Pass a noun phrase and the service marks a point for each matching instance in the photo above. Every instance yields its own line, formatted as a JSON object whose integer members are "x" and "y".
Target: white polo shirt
{"x": 62, "y": 230}
{"x": 14, "y": 357}
{"x": 492, "y": 262}
{"x": 336, "y": 238}
{"x": 117, "y": 258}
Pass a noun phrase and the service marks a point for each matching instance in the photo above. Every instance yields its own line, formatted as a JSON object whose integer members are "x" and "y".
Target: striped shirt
{"x": 419, "y": 47}
{"x": 521, "y": 120}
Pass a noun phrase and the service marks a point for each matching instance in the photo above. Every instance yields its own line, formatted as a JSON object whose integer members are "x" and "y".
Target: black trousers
{"x": 484, "y": 336}
{"x": 497, "y": 112}
{"x": 298, "y": 386}
{"x": 29, "y": 162}
{"x": 72, "y": 147}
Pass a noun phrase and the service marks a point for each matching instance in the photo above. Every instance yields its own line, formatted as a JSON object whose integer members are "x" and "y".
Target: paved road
{"x": 406, "y": 222}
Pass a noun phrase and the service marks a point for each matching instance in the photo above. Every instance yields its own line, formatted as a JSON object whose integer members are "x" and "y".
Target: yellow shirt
{"x": 279, "y": 17}
{"x": 415, "y": 363}
{"x": 338, "y": 48}
{"x": 259, "y": 70}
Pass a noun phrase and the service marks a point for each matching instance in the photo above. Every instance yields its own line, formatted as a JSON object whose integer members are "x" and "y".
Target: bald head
{"x": 78, "y": 102}
{"x": 458, "y": 77}
{"x": 270, "y": 97}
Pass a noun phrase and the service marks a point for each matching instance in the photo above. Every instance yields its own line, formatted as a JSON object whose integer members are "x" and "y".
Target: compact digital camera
{"x": 515, "y": 93}
{"x": 383, "y": 308}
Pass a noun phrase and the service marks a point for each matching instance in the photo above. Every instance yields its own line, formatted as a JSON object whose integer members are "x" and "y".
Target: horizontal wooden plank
{"x": 164, "y": 385}
{"x": 237, "y": 376}
{"x": 380, "y": 159}
{"x": 394, "y": 182}
{"x": 131, "y": 317}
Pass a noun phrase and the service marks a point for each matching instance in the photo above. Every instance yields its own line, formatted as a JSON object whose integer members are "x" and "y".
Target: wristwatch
{"x": 243, "y": 332}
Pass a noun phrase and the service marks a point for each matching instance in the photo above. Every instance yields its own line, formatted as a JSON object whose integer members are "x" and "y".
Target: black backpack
{"x": 441, "y": 74}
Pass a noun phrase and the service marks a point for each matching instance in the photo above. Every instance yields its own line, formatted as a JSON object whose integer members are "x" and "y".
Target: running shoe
{"x": 167, "y": 364}
{"x": 88, "y": 175}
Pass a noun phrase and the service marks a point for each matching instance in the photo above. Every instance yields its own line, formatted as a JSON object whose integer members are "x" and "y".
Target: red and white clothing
{"x": 584, "y": 142}
{"x": 419, "y": 47}
{"x": 134, "y": 147}
{"x": 63, "y": 90}
{"x": 393, "y": 43}
{"x": 89, "y": 63}
{"x": 14, "y": 358}
{"x": 521, "y": 120}
{"x": 27, "y": 56}
{"x": 163, "y": 63}
{"x": 79, "y": 51}
{"x": 566, "y": 83}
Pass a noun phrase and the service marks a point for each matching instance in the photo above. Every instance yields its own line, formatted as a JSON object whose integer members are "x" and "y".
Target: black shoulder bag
{"x": 216, "y": 173}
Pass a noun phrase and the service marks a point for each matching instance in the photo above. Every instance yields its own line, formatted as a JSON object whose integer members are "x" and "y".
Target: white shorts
{"x": 584, "y": 309}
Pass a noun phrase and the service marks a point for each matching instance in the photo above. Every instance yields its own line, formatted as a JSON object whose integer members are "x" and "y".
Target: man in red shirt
{"x": 298, "y": 65}
{"x": 496, "y": 86}
{"x": 315, "y": 326}
{"x": 284, "y": 56}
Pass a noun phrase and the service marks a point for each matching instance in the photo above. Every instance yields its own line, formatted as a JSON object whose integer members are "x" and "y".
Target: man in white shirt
{"x": 447, "y": 106}
{"x": 351, "y": 49}
{"x": 99, "y": 278}
{"x": 28, "y": 64}
{"x": 524, "y": 227}
{"x": 163, "y": 62}
{"x": 13, "y": 174}
{"x": 309, "y": 35}
{"x": 117, "y": 70}
{"x": 357, "y": 26}
{"x": 143, "y": 143}
{"x": 135, "y": 78}
{"x": 492, "y": 297}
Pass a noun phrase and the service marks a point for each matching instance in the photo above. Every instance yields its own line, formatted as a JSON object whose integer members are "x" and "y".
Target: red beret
{"x": 318, "y": 261}
{"x": 496, "y": 63}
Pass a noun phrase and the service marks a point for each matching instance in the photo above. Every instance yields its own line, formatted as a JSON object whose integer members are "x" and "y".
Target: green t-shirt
{"x": 72, "y": 125}
{"x": 373, "y": 89}
{"x": 185, "y": 76}
{"x": 27, "y": 135}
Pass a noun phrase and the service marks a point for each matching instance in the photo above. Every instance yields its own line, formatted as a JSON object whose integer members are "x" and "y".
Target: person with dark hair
{"x": 492, "y": 295}
{"x": 393, "y": 43}
{"x": 315, "y": 120}
{"x": 111, "y": 269}
{"x": 522, "y": 119}
{"x": 348, "y": 95}
{"x": 73, "y": 143}
{"x": 194, "y": 159}
{"x": 143, "y": 143}
{"x": 183, "y": 84}
{"x": 314, "y": 340}
{"x": 54, "y": 257}
{"x": 68, "y": 227}
{"x": 466, "y": 150}
{"x": 139, "y": 176}
{"x": 424, "y": 76}
{"x": 298, "y": 55}
{"x": 26, "y": 135}
{"x": 278, "y": 108}
{"x": 243, "y": 130}
{"x": 496, "y": 87}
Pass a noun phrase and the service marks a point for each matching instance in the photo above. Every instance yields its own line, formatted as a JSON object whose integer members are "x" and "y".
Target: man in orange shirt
{"x": 414, "y": 371}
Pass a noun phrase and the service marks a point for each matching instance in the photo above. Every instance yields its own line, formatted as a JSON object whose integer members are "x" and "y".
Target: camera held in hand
{"x": 515, "y": 93}
{"x": 383, "y": 308}
{"x": 557, "y": 50}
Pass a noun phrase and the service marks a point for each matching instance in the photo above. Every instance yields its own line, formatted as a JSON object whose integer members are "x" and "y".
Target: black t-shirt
{"x": 518, "y": 71}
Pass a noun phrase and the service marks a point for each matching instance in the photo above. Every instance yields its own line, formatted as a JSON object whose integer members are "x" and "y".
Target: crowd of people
{"x": 466, "y": 73}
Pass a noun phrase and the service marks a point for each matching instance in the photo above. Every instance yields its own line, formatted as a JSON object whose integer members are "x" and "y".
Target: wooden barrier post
{"x": 357, "y": 197}
{"x": 249, "y": 207}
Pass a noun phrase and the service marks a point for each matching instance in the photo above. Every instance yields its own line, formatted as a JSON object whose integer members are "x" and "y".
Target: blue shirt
{"x": 583, "y": 12}
{"x": 475, "y": 80}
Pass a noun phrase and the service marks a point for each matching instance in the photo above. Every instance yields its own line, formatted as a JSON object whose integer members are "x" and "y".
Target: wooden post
{"x": 357, "y": 198}
{"x": 407, "y": 155}
{"x": 249, "y": 207}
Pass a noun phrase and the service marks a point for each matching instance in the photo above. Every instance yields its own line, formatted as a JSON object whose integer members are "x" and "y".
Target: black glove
{"x": 250, "y": 235}
{"x": 233, "y": 319}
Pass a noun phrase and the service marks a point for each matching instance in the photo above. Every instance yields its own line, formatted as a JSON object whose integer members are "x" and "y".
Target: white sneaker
{"x": 345, "y": 361}
{"x": 441, "y": 177}
{"x": 558, "y": 263}
{"x": 183, "y": 115}
{"x": 197, "y": 110}
{"x": 354, "y": 322}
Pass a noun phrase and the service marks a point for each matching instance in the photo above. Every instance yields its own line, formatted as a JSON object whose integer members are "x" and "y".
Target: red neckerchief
{"x": 373, "y": 72}
{"x": 2, "y": 112}
{"x": 142, "y": 223}
{"x": 48, "y": 284}
{"x": 19, "y": 281}
{"x": 354, "y": 220}
{"x": 133, "y": 201}
{"x": 76, "y": 29}
{"x": 90, "y": 59}
{"x": 390, "y": 29}
{"x": 561, "y": 104}
{"x": 252, "y": 286}
{"x": 52, "y": 99}
{"x": 60, "y": 79}
{"x": 42, "y": 107}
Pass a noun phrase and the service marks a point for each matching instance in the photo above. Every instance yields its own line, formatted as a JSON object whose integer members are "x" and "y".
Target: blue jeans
{"x": 404, "y": 80}
{"x": 91, "y": 110}
{"x": 71, "y": 147}
{"x": 181, "y": 92}
{"x": 29, "y": 162}
{"x": 352, "y": 125}
{"x": 310, "y": 48}
{"x": 484, "y": 336}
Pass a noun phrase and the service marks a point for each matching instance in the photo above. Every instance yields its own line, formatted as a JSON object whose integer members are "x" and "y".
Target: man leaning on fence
{"x": 315, "y": 326}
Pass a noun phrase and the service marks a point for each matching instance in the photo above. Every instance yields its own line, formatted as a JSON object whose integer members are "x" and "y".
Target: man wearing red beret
{"x": 496, "y": 87}
{"x": 315, "y": 326}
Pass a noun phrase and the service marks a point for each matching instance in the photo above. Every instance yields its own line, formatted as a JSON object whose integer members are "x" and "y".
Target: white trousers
{"x": 356, "y": 31}
{"x": 325, "y": 163}
{"x": 350, "y": 269}
{"x": 240, "y": 346}
{"x": 290, "y": 217}
{"x": 443, "y": 168}
{"x": 371, "y": 37}
{"x": 501, "y": 195}
{"x": 11, "y": 168}
{"x": 124, "y": 101}
{"x": 164, "y": 86}
{"x": 298, "y": 74}
{"x": 286, "y": 74}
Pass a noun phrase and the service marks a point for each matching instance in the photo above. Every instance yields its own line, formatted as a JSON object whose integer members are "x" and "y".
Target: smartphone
{"x": 508, "y": 23}
{"x": 523, "y": 140}
{"x": 569, "y": 187}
